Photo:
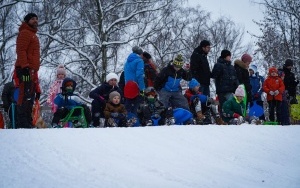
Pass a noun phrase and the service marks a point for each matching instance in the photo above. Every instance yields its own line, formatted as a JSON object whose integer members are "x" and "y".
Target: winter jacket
{"x": 225, "y": 77}
{"x": 190, "y": 95}
{"x": 199, "y": 66}
{"x": 290, "y": 82}
{"x": 150, "y": 73}
{"x": 8, "y": 95}
{"x": 230, "y": 107}
{"x": 101, "y": 93}
{"x": 55, "y": 88}
{"x": 242, "y": 74}
{"x": 169, "y": 79}
{"x": 256, "y": 82}
{"x": 112, "y": 108}
{"x": 273, "y": 83}
{"x": 28, "y": 48}
{"x": 134, "y": 70}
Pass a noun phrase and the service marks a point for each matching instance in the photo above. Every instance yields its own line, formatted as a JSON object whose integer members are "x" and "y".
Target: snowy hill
{"x": 145, "y": 157}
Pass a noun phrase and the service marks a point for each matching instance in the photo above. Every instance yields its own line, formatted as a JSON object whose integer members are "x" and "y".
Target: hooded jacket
{"x": 28, "y": 48}
{"x": 134, "y": 70}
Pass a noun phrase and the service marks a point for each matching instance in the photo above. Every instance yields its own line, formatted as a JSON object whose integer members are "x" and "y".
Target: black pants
{"x": 23, "y": 114}
{"x": 272, "y": 105}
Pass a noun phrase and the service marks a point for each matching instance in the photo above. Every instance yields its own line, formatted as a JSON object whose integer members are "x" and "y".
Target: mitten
{"x": 24, "y": 74}
{"x": 276, "y": 92}
{"x": 236, "y": 115}
{"x": 271, "y": 93}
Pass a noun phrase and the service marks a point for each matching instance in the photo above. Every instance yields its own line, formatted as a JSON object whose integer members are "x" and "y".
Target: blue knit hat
{"x": 193, "y": 83}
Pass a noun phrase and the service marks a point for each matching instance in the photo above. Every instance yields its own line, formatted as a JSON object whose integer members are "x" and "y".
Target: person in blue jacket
{"x": 66, "y": 101}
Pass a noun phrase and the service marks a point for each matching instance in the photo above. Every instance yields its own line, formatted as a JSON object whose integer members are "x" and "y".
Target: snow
{"x": 190, "y": 156}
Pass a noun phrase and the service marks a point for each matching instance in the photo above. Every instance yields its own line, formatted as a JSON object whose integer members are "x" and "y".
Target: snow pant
{"x": 97, "y": 112}
{"x": 285, "y": 114}
{"x": 23, "y": 114}
{"x": 272, "y": 105}
{"x": 173, "y": 99}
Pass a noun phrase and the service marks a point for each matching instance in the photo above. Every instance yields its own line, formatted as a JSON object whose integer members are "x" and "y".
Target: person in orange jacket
{"x": 274, "y": 87}
{"x": 26, "y": 69}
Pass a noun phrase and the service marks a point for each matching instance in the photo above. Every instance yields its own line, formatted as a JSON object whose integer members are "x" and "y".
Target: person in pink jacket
{"x": 56, "y": 86}
{"x": 274, "y": 87}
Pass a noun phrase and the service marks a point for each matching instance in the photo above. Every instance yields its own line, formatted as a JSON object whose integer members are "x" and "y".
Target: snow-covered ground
{"x": 169, "y": 156}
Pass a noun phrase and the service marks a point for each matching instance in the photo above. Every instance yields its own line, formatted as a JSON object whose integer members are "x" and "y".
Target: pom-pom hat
{"x": 239, "y": 92}
{"x": 61, "y": 70}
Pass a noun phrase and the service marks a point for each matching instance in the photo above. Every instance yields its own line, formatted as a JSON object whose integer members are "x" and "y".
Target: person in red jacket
{"x": 26, "y": 69}
{"x": 274, "y": 87}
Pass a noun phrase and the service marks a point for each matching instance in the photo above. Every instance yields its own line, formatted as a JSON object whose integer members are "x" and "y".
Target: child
{"x": 200, "y": 104}
{"x": 115, "y": 112}
{"x": 233, "y": 108}
{"x": 66, "y": 100}
{"x": 274, "y": 87}
{"x": 151, "y": 109}
{"x": 56, "y": 86}
{"x": 100, "y": 96}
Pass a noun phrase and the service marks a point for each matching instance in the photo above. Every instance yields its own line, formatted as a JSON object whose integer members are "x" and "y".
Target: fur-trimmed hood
{"x": 241, "y": 64}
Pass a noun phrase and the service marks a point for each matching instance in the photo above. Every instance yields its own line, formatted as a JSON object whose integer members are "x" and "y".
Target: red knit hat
{"x": 131, "y": 90}
{"x": 246, "y": 58}
{"x": 272, "y": 69}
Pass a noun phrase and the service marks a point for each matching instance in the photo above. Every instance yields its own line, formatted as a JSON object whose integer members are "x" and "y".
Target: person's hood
{"x": 241, "y": 64}
{"x": 68, "y": 80}
{"x": 132, "y": 57}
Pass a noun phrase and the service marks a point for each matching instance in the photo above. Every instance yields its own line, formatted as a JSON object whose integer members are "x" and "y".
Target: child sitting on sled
{"x": 201, "y": 104}
{"x": 233, "y": 108}
{"x": 151, "y": 111}
{"x": 115, "y": 112}
{"x": 66, "y": 101}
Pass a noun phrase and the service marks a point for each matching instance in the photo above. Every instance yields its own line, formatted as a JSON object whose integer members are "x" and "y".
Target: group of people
{"x": 149, "y": 96}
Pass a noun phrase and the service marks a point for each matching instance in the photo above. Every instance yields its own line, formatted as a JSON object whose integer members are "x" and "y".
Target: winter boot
{"x": 200, "y": 117}
{"x": 220, "y": 121}
{"x": 149, "y": 123}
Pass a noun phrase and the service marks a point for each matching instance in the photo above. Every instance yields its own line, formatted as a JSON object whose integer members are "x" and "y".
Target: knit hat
{"x": 204, "y": 43}
{"x": 112, "y": 76}
{"x": 113, "y": 94}
{"x": 131, "y": 90}
{"x": 239, "y": 92}
{"x": 225, "y": 53}
{"x": 288, "y": 62}
{"x": 29, "y": 16}
{"x": 137, "y": 50}
{"x": 272, "y": 69}
{"x": 178, "y": 61}
{"x": 146, "y": 55}
{"x": 246, "y": 58}
{"x": 61, "y": 70}
{"x": 193, "y": 83}
{"x": 254, "y": 68}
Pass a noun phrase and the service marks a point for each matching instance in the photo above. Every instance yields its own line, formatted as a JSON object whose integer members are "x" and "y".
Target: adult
{"x": 8, "y": 99}
{"x": 200, "y": 67}
{"x": 225, "y": 77}
{"x": 150, "y": 70}
{"x": 241, "y": 67}
{"x": 26, "y": 69}
{"x": 100, "y": 96}
{"x": 290, "y": 81}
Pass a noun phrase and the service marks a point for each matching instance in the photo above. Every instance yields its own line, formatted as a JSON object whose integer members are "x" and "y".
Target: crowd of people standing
{"x": 149, "y": 95}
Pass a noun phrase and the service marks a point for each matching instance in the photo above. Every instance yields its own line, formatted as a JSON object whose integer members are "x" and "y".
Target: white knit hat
{"x": 240, "y": 92}
{"x": 61, "y": 70}
{"x": 112, "y": 76}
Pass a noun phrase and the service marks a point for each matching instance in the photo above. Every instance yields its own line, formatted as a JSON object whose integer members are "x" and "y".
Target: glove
{"x": 24, "y": 74}
{"x": 271, "y": 93}
{"x": 142, "y": 93}
{"x": 37, "y": 96}
{"x": 236, "y": 115}
{"x": 256, "y": 96}
{"x": 276, "y": 92}
{"x": 156, "y": 116}
{"x": 114, "y": 114}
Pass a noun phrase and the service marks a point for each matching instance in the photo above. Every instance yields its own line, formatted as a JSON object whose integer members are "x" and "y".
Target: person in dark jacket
{"x": 167, "y": 84}
{"x": 200, "y": 69}
{"x": 225, "y": 77}
{"x": 241, "y": 69}
{"x": 150, "y": 70}
{"x": 290, "y": 81}
{"x": 100, "y": 96}
{"x": 8, "y": 99}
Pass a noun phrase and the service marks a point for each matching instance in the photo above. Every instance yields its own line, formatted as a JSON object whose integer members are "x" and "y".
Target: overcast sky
{"x": 242, "y": 12}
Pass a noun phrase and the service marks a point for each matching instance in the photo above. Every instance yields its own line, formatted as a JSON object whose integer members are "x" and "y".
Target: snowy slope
{"x": 145, "y": 157}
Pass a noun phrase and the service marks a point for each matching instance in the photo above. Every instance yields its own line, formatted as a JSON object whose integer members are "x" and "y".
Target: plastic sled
{"x": 256, "y": 110}
{"x": 181, "y": 116}
{"x": 132, "y": 120}
{"x": 75, "y": 118}
{"x": 270, "y": 123}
